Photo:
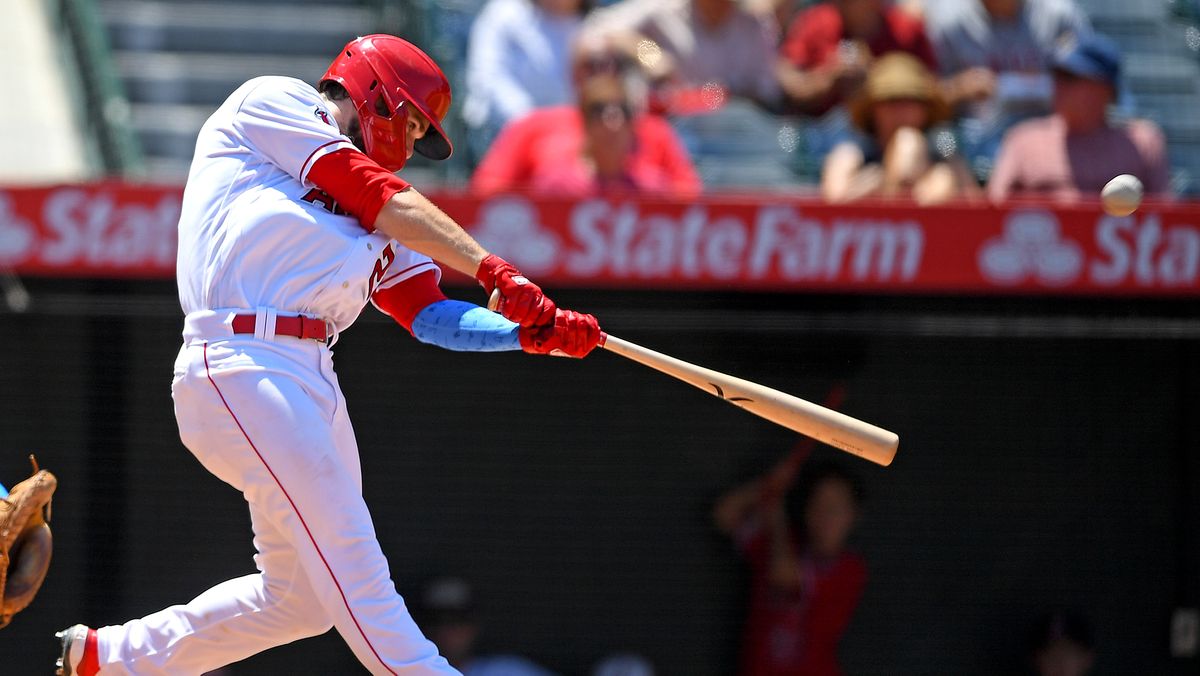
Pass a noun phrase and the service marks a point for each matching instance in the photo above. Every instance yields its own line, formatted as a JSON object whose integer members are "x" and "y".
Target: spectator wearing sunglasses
{"x": 603, "y": 144}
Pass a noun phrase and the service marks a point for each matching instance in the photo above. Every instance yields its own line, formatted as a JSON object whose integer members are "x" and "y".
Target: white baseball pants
{"x": 268, "y": 418}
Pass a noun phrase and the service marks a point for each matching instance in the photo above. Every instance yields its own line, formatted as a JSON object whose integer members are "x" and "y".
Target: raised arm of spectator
{"x": 946, "y": 180}
{"x": 844, "y": 178}
{"x": 763, "y": 493}
{"x": 966, "y": 86}
{"x": 737, "y": 505}
{"x": 808, "y": 88}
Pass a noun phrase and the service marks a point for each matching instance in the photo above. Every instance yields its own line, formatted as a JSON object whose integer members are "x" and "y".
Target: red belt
{"x": 296, "y": 327}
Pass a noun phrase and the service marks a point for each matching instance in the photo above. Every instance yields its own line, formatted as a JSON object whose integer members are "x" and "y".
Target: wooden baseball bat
{"x": 827, "y": 426}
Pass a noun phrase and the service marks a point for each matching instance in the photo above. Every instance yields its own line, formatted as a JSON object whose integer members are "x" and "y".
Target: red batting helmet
{"x": 383, "y": 74}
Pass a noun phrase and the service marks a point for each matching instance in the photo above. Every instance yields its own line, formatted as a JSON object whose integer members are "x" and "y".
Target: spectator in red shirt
{"x": 828, "y": 48}
{"x": 602, "y": 144}
{"x": 1075, "y": 151}
{"x": 805, "y": 585}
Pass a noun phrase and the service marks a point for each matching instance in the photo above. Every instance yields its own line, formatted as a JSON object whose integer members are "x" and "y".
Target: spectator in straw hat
{"x": 895, "y": 154}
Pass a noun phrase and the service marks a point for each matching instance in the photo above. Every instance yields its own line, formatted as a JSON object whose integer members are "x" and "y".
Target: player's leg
{"x": 225, "y": 624}
{"x": 297, "y": 465}
{"x": 332, "y": 531}
{"x": 236, "y": 618}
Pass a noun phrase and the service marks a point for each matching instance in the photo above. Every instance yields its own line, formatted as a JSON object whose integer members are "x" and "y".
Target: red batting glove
{"x": 521, "y": 300}
{"x": 573, "y": 334}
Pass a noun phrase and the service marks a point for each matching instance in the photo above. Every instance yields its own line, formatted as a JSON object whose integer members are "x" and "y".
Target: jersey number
{"x": 381, "y": 267}
{"x": 320, "y": 198}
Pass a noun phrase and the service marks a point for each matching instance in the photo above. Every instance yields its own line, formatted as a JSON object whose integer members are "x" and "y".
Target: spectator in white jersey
{"x": 518, "y": 59}
{"x": 691, "y": 45}
{"x": 995, "y": 58}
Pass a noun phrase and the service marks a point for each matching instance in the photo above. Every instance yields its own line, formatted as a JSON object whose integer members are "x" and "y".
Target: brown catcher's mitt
{"x": 25, "y": 542}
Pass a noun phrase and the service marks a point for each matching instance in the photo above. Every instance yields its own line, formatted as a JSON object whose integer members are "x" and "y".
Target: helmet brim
{"x": 435, "y": 145}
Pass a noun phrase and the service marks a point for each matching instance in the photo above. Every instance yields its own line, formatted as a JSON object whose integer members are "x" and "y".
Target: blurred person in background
{"x": 601, "y": 144}
{"x": 623, "y": 664}
{"x": 1061, "y": 644}
{"x": 896, "y": 155}
{"x": 518, "y": 59}
{"x": 778, "y": 12}
{"x": 1075, "y": 151}
{"x": 805, "y": 585}
{"x": 995, "y": 58}
{"x": 715, "y": 47}
{"x": 829, "y": 47}
{"x": 914, "y": 8}
{"x": 451, "y": 619}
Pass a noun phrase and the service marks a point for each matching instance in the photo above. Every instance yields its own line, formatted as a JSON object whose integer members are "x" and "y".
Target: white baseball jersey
{"x": 254, "y": 232}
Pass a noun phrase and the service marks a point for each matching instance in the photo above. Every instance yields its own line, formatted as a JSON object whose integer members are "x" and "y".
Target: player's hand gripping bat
{"x": 827, "y": 426}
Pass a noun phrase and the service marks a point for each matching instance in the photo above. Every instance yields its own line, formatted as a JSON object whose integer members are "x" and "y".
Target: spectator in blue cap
{"x": 995, "y": 58}
{"x": 1072, "y": 153}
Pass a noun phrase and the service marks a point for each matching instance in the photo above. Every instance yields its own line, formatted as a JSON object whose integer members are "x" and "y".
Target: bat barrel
{"x": 825, "y": 425}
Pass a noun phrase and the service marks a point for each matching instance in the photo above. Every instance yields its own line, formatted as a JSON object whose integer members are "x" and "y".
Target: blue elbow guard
{"x": 464, "y": 327}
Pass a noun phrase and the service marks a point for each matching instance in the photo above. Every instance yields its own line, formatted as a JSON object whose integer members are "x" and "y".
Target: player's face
{"x": 353, "y": 131}
{"x": 418, "y": 126}
{"x": 829, "y": 516}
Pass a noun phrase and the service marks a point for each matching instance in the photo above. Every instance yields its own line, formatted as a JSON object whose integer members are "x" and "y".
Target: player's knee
{"x": 298, "y": 607}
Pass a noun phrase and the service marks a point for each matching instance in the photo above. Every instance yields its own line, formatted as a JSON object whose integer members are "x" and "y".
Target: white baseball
{"x": 1122, "y": 195}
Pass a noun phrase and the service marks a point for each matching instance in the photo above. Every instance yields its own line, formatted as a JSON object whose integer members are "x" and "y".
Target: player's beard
{"x": 354, "y": 133}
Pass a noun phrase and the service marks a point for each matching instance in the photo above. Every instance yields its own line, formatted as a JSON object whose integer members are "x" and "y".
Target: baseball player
{"x": 292, "y": 219}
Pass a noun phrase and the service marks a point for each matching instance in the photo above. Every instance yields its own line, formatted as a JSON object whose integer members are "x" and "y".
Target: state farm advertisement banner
{"x": 101, "y": 230}
{"x": 763, "y": 243}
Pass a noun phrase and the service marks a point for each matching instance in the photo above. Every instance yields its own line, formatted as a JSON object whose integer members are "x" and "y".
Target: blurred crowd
{"x": 792, "y": 527}
{"x": 931, "y": 100}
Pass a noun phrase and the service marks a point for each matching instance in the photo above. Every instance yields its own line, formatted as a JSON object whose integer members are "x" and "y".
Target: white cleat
{"x": 78, "y": 652}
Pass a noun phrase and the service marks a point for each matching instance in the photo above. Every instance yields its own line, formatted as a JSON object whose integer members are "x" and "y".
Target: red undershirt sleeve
{"x": 404, "y": 300}
{"x": 356, "y": 182}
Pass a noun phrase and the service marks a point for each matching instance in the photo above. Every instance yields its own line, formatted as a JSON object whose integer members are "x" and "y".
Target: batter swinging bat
{"x": 827, "y": 426}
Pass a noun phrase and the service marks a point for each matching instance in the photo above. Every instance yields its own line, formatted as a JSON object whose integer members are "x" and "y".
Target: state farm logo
{"x": 771, "y": 242}
{"x": 17, "y": 235}
{"x": 510, "y": 227}
{"x": 1031, "y": 246}
{"x": 627, "y": 240}
{"x": 96, "y": 227}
